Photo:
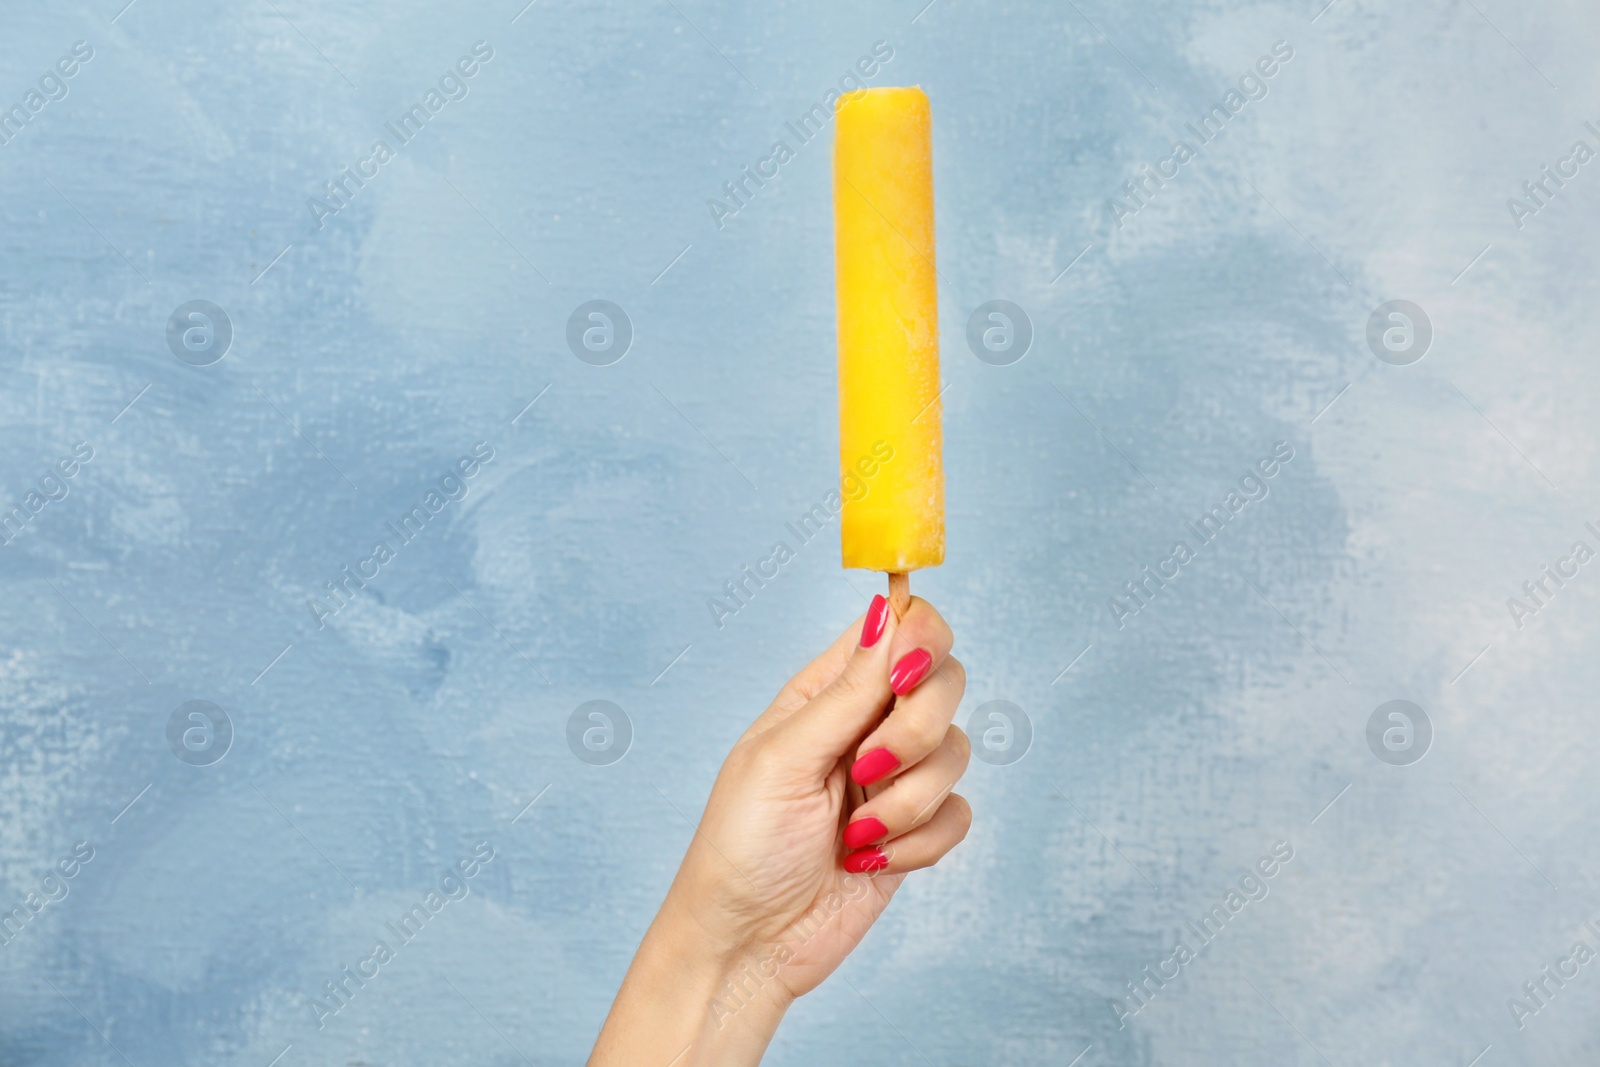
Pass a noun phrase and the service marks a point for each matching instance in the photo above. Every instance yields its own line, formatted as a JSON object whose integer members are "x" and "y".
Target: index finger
{"x": 921, "y": 712}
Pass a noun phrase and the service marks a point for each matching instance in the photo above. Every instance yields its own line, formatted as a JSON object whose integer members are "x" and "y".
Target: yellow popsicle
{"x": 888, "y": 334}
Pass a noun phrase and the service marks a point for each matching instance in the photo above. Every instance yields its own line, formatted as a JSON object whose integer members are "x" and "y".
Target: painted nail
{"x": 877, "y": 618}
{"x": 874, "y": 765}
{"x": 909, "y": 671}
{"x": 868, "y": 859}
{"x": 864, "y": 832}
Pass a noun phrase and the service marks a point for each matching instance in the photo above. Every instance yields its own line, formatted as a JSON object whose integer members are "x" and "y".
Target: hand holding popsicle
{"x": 827, "y": 801}
{"x": 783, "y": 879}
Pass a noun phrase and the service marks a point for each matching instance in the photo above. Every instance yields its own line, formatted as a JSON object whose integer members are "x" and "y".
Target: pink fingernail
{"x": 872, "y": 626}
{"x": 874, "y": 765}
{"x": 909, "y": 671}
{"x": 864, "y": 832}
{"x": 868, "y": 859}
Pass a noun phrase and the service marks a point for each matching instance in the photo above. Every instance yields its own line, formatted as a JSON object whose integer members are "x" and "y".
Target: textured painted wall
{"x": 1178, "y": 326}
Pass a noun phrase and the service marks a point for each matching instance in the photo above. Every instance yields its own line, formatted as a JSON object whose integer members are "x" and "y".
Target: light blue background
{"x": 423, "y": 318}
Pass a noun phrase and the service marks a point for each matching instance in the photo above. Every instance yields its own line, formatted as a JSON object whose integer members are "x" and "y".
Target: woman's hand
{"x": 775, "y": 842}
{"x": 818, "y": 813}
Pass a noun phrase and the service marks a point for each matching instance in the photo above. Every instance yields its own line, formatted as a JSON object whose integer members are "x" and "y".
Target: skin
{"x": 762, "y": 910}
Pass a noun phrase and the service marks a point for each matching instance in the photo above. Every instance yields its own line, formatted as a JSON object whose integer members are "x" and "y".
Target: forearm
{"x": 687, "y": 1002}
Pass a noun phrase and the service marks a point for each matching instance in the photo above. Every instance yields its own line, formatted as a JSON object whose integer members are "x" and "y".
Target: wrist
{"x": 738, "y": 978}
{"x": 692, "y": 996}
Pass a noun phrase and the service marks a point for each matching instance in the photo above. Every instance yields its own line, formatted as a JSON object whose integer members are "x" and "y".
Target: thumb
{"x": 833, "y": 721}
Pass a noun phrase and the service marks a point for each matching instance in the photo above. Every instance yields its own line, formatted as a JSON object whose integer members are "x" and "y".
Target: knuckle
{"x": 926, "y": 627}
{"x": 842, "y": 690}
{"x": 844, "y": 687}
{"x": 742, "y": 751}
{"x": 959, "y": 743}
{"x": 924, "y": 733}
{"x": 937, "y": 630}
{"x": 756, "y": 759}
{"x": 954, "y": 673}
{"x": 960, "y": 814}
{"x": 848, "y": 686}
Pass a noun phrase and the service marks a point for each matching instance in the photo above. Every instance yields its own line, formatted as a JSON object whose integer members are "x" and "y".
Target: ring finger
{"x": 911, "y": 799}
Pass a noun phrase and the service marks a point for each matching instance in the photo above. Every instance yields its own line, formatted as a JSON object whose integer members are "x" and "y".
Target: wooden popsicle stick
{"x": 899, "y": 594}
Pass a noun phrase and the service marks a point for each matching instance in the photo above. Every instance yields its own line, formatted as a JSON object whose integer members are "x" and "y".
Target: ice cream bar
{"x": 889, "y": 437}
